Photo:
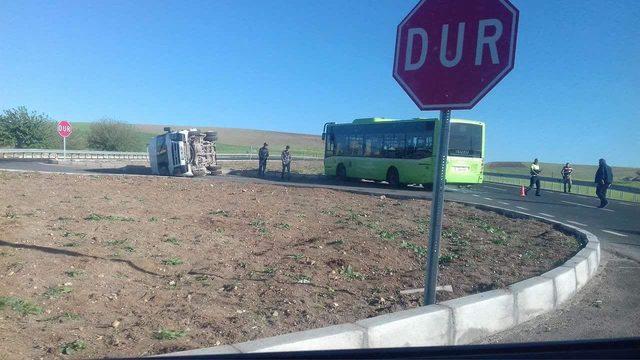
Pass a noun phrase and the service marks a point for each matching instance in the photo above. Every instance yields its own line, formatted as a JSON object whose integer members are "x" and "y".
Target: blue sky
{"x": 293, "y": 65}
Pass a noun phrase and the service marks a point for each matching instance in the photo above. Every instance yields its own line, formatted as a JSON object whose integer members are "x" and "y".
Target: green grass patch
{"x": 349, "y": 273}
{"x": 165, "y": 334}
{"x": 116, "y": 242}
{"x": 74, "y": 273}
{"x": 22, "y": 307}
{"x": 98, "y": 217}
{"x": 172, "y": 240}
{"x": 268, "y": 271}
{"x": 74, "y": 234}
{"x": 57, "y": 291}
{"x": 260, "y": 225}
{"x": 423, "y": 226}
{"x": 66, "y": 316}
{"x": 447, "y": 259}
{"x": 336, "y": 242}
{"x": 283, "y": 226}
{"x": 303, "y": 279}
{"x": 172, "y": 261}
{"x": 72, "y": 347}
{"x": 388, "y": 235}
{"x": 219, "y": 212}
{"x": 419, "y": 250}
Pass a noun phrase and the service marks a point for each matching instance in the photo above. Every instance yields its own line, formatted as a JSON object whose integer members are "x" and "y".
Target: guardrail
{"x": 112, "y": 155}
{"x": 624, "y": 193}
{"x": 70, "y": 154}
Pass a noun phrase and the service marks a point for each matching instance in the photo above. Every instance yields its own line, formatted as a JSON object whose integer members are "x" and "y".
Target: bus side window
{"x": 330, "y": 148}
{"x": 356, "y": 143}
{"x": 373, "y": 145}
{"x": 341, "y": 145}
{"x": 394, "y": 146}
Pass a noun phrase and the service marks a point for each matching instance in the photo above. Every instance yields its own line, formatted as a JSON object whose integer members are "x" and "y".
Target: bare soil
{"x": 133, "y": 266}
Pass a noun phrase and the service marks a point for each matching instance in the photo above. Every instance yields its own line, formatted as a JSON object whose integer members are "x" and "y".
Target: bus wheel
{"x": 393, "y": 178}
{"x": 428, "y": 187}
{"x": 341, "y": 172}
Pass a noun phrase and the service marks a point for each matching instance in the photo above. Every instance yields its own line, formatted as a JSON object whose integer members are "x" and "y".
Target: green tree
{"x": 111, "y": 135}
{"x": 23, "y": 129}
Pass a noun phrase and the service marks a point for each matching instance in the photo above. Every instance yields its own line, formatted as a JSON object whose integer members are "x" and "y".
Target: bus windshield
{"x": 465, "y": 140}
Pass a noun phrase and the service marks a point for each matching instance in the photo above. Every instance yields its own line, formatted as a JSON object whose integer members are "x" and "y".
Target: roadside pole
{"x": 452, "y": 77}
{"x": 437, "y": 206}
{"x": 64, "y": 130}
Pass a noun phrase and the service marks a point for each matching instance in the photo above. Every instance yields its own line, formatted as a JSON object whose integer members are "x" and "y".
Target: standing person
{"x": 603, "y": 180}
{"x": 286, "y": 162}
{"x": 566, "y": 176}
{"x": 263, "y": 155}
{"x": 534, "y": 171}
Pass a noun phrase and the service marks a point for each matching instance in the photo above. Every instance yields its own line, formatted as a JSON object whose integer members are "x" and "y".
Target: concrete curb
{"x": 454, "y": 322}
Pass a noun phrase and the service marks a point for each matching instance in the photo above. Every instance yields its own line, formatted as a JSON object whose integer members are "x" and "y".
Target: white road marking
{"x": 577, "y": 223}
{"x": 521, "y": 208}
{"x": 587, "y": 206}
{"x": 545, "y": 214}
{"x": 488, "y": 199}
{"x": 614, "y": 233}
{"x": 476, "y": 195}
{"x": 495, "y": 188}
{"x": 503, "y": 203}
{"x": 624, "y": 203}
{"x": 575, "y": 203}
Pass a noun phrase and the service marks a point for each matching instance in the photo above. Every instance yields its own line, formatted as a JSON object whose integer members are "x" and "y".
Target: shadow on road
{"x": 316, "y": 179}
{"x": 128, "y": 169}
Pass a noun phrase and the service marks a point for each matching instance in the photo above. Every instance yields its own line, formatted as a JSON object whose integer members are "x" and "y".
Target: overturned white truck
{"x": 184, "y": 153}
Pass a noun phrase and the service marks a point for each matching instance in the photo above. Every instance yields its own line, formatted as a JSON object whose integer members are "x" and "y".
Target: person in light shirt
{"x": 535, "y": 178}
{"x": 566, "y": 176}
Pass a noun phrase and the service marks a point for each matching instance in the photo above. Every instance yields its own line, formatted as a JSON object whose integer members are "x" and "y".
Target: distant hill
{"x": 246, "y": 138}
{"x": 230, "y": 140}
{"x": 622, "y": 175}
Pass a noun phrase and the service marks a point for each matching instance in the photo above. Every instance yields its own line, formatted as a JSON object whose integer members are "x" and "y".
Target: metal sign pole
{"x": 64, "y": 148}
{"x": 437, "y": 204}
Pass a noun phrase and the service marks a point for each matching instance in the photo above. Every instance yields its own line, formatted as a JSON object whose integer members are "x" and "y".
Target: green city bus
{"x": 402, "y": 152}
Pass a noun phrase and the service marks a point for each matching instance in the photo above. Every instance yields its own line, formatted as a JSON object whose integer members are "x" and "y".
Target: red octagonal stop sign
{"x": 64, "y": 129}
{"x": 449, "y": 54}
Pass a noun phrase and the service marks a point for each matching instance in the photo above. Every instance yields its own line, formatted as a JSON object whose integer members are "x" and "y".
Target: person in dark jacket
{"x": 286, "y": 163}
{"x": 603, "y": 180}
{"x": 263, "y": 155}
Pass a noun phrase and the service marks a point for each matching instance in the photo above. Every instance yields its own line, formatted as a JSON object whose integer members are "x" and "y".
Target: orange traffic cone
{"x": 523, "y": 193}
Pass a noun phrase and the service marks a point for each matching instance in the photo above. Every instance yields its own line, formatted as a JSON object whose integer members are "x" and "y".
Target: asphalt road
{"x": 609, "y": 306}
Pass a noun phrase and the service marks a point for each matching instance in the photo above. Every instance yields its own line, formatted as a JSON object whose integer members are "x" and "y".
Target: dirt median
{"x": 131, "y": 266}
